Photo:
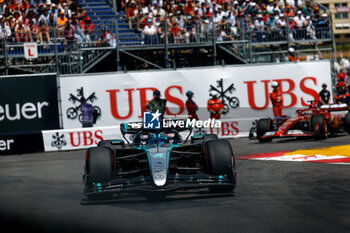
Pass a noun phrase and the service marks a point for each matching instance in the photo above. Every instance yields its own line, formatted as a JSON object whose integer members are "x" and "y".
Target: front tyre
{"x": 220, "y": 161}
{"x": 99, "y": 169}
{"x": 263, "y": 126}
{"x": 319, "y": 127}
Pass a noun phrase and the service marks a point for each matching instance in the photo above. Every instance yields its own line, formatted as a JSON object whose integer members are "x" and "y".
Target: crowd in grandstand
{"x": 189, "y": 20}
{"x": 40, "y": 20}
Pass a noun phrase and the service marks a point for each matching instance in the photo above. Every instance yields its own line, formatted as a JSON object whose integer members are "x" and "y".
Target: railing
{"x": 75, "y": 52}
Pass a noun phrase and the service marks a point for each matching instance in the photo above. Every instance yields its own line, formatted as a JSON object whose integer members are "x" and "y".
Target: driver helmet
{"x": 151, "y": 139}
{"x": 189, "y": 93}
{"x": 162, "y": 137}
{"x": 274, "y": 84}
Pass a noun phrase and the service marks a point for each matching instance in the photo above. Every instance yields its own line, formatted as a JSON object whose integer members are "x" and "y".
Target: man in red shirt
{"x": 215, "y": 106}
{"x": 191, "y": 106}
{"x": 276, "y": 99}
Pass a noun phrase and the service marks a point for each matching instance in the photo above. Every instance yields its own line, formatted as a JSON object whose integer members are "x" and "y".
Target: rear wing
{"x": 335, "y": 107}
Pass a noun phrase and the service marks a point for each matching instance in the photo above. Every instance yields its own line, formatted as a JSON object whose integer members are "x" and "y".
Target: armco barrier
{"x": 21, "y": 143}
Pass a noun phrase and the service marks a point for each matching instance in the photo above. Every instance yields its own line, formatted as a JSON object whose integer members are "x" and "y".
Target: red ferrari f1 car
{"x": 317, "y": 122}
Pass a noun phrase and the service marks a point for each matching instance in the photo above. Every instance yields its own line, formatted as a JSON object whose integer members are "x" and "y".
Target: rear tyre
{"x": 99, "y": 169}
{"x": 318, "y": 127}
{"x": 220, "y": 162}
{"x": 347, "y": 123}
{"x": 263, "y": 126}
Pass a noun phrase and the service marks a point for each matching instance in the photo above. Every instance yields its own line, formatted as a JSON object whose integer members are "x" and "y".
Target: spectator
{"x": 151, "y": 33}
{"x": 33, "y": 31}
{"x": 69, "y": 31}
{"x": 52, "y": 21}
{"x": 260, "y": 28}
{"x": 5, "y": 31}
{"x": 61, "y": 22}
{"x": 106, "y": 39}
{"x": 323, "y": 27}
{"x": 190, "y": 30}
{"x": 300, "y": 22}
{"x": 88, "y": 28}
{"x": 310, "y": 29}
{"x": 131, "y": 14}
{"x": 45, "y": 16}
{"x": 176, "y": 33}
{"x": 43, "y": 30}
{"x": 21, "y": 32}
{"x": 271, "y": 24}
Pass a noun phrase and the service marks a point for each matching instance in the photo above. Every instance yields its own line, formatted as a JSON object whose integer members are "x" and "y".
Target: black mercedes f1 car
{"x": 158, "y": 160}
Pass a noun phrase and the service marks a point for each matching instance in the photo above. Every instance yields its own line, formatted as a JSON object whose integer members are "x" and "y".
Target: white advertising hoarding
{"x": 245, "y": 90}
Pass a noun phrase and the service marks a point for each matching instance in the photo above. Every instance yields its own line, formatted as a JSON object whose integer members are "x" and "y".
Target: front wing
{"x": 289, "y": 133}
{"x": 145, "y": 184}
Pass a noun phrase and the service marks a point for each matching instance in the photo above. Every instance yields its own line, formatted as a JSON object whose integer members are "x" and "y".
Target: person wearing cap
{"x": 215, "y": 105}
{"x": 131, "y": 13}
{"x": 87, "y": 28}
{"x": 157, "y": 104}
{"x": 61, "y": 22}
{"x": 292, "y": 56}
{"x": 271, "y": 26}
{"x": 151, "y": 33}
{"x": 190, "y": 30}
{"x": 300, "y": 22}
{"x": 276, "y": 98}
{"x": 191, "y": 106}
{"x": 106, "y": 39}
{"x": 323, "y": 27}
{"x": 310, "y": 29}
{"x": 259, "y": 26}
{"x": 323, "y": 96}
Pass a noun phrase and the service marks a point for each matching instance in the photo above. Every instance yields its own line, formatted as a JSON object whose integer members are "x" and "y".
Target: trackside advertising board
{"x": 21, "y": 143}
{"x": 28, "y": 103}
{"x": 72, "y": 139}
{"x": 121, "y": 97}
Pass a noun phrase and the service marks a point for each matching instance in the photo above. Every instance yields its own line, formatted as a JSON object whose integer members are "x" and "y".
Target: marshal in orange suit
{"x": 276, "y": 99}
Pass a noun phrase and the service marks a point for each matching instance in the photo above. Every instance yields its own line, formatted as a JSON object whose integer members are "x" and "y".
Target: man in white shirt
{"x": 300, "y": 25}
{"x": 150, "y": 32}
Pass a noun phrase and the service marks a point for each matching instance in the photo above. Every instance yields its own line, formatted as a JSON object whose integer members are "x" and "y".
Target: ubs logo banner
{"x": 80, "y": 138}
{"x": 73, "y": 113}
{"x": 28, "y": 103}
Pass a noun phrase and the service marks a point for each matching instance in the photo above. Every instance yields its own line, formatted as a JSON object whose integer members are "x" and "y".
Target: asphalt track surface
{"x": 42, "y": 192}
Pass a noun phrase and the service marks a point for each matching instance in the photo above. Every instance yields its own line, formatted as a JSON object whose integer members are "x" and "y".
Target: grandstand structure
{"x": 120, "y": 44}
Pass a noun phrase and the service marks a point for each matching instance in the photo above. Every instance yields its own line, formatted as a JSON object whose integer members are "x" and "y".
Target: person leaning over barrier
{"x": 191, "y": 106}
{"x": 324, "y": 95}
{"x": 156, "y": 104}
{"x": 87, "y": 112}
{"x": 215, "y": 106}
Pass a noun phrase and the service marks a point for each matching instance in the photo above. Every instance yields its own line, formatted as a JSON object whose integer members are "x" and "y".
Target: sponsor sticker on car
{"x": 270, "y": 133}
